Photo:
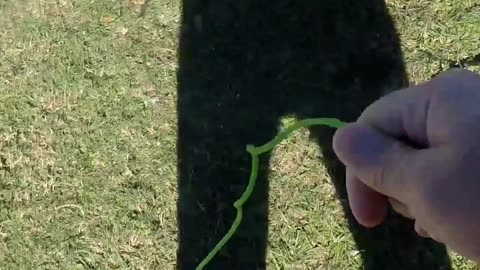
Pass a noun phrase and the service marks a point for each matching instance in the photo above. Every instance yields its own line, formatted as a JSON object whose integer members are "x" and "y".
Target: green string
{"x": 255, "y": 152}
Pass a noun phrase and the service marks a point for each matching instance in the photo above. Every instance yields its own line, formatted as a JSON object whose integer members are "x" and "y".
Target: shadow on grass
{"x": 245, "y": 64}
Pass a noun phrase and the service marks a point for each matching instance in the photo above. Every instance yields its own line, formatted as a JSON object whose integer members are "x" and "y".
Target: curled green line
{"x": 255, "y": 152}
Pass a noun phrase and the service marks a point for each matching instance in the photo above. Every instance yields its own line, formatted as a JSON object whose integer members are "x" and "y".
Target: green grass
{"x": 88, "y": 137}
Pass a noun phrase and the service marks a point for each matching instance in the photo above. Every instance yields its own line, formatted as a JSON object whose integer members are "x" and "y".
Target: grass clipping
{"x": 255, "y": 152}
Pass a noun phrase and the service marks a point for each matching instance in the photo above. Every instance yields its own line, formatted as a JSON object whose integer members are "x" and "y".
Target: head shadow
{"x": 244, "y": 65}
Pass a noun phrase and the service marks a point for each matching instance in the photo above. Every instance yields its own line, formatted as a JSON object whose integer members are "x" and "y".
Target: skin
{"x": 418, "y": 149}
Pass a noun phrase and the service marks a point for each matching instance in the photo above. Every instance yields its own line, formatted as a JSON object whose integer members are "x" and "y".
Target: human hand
{"x": 419, "y": 150}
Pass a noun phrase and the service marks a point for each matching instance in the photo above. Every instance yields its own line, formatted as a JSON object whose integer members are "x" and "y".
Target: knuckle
{"x": 379, "y": 177}
{"x": 388, "y": 170}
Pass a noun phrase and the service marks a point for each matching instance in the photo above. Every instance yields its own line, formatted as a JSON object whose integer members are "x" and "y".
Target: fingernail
{"x": 420, "y": 231}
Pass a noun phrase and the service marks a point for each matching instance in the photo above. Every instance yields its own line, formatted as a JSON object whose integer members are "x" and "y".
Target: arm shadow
{"x": 245, "y": 64}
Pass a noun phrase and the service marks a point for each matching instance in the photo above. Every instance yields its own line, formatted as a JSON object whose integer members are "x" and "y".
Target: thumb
{"x": 384, "y": 164}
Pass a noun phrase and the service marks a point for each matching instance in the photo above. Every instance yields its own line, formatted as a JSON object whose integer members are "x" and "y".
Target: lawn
{"x": 123, "y": 126}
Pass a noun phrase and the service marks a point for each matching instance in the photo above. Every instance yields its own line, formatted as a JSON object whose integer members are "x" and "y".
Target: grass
{"x": 88, "y": 134}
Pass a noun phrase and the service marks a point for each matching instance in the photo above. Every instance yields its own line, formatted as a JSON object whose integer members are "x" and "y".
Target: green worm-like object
{"x": 255, "y": 152}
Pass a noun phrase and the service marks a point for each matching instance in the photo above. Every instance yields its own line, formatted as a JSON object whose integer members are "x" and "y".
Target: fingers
{"x": 382, "y": 163}
{"x": 400, "y": 208}
{"x": 421, "y": 231}
{"x": 390, "y": 151}
{"x": 401, "y": 114}
{"x": 368, "y": 207}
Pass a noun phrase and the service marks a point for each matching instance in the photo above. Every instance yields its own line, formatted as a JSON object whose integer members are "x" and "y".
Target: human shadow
{"x": 245, "y": 64}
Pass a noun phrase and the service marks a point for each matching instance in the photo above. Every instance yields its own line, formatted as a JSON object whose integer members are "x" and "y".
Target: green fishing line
{"x": 255, "y": 152}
